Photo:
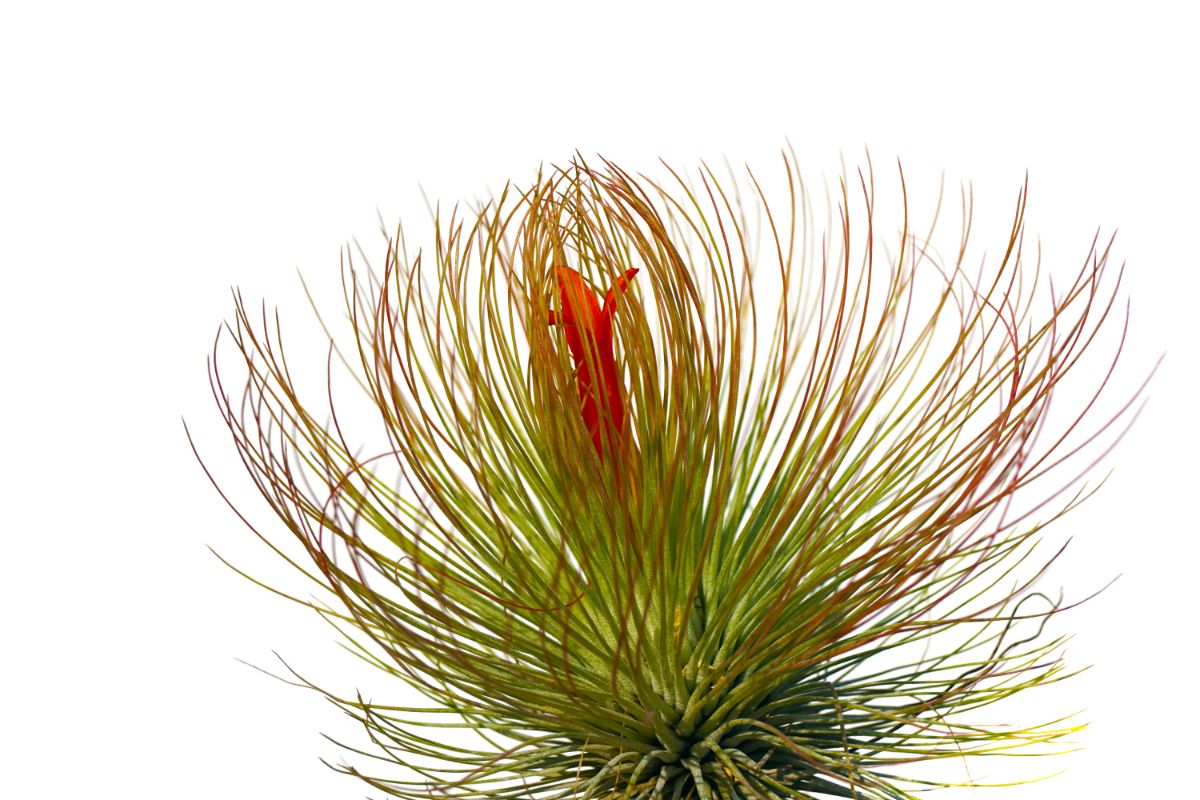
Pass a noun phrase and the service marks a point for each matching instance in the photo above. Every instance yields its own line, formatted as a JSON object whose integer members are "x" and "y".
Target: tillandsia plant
{"x": 678, "y": 495}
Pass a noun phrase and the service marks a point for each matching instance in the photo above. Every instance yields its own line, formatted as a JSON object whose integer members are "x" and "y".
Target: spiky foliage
{"x": 795, "y": 561}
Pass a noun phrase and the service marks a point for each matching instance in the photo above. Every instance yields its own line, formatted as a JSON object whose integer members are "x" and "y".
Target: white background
{"x": 153, "y": 156}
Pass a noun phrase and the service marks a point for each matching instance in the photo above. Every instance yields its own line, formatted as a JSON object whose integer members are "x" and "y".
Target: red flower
{"x": 588, "y": 328}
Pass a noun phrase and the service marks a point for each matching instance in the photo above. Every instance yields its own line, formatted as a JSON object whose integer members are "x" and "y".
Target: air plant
{"x": 672, "y": 499}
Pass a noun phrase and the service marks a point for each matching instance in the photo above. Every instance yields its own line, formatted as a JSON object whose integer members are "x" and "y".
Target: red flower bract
{"x": 588, "y": 328}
